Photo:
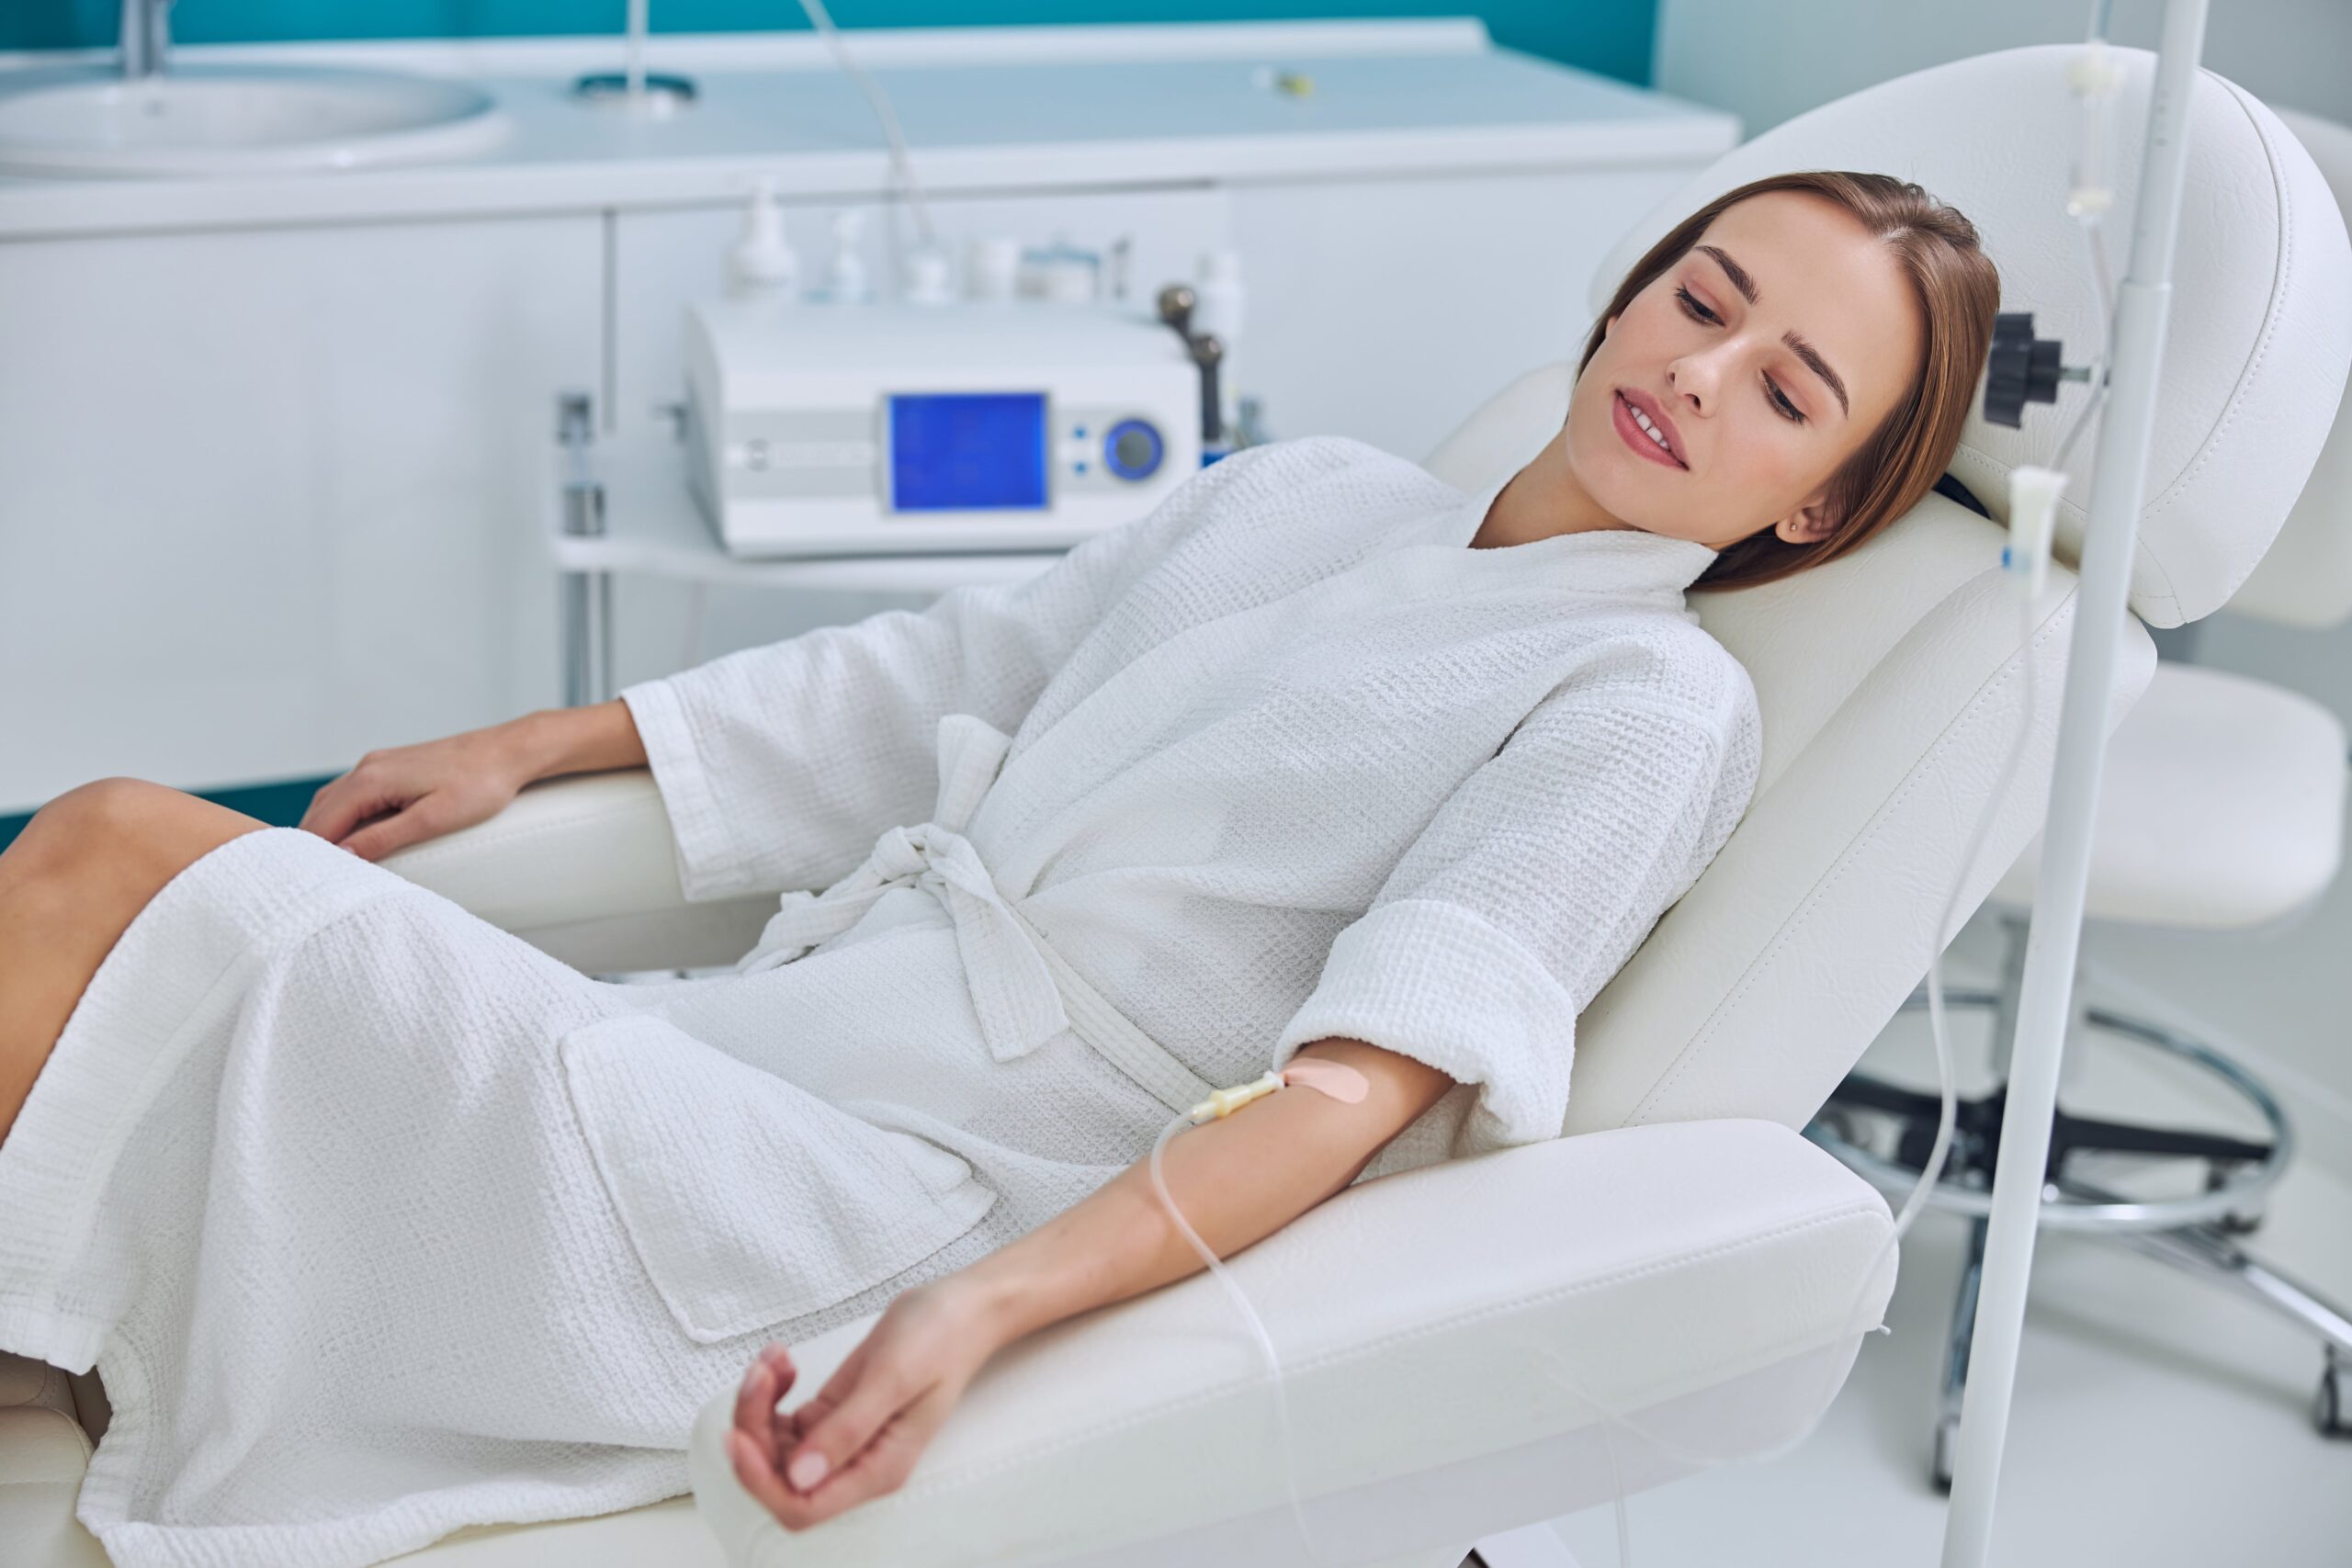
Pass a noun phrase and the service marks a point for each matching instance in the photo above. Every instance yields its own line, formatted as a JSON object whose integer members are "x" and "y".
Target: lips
{"x": 1622, "y": 417}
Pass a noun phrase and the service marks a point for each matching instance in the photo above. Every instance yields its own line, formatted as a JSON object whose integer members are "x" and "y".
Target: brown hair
{"x": 1959, "y": 291}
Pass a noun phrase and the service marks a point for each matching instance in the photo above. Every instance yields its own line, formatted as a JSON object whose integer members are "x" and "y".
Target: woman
{"x": 379, "y": 1223}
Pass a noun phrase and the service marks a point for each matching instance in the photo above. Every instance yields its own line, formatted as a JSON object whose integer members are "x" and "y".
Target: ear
{"x": 1607, "y": 323}
{"x": 1808, "y": 524}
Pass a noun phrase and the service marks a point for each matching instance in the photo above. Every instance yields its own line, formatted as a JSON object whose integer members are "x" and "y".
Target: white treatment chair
{"x": 1682, "y": 1249}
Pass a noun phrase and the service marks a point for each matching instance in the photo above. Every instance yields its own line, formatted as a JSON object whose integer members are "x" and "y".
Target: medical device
{"x": 2021, "y": 368}
{"x": 881, "y": 428}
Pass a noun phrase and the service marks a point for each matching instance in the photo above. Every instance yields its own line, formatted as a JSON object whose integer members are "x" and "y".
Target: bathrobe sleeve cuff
{"x": 1438, "y": 982}
{"x": 711, "y": 864}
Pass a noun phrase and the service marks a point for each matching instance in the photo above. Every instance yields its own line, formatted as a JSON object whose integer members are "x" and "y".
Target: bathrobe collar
{"x": 1626, "y": 560}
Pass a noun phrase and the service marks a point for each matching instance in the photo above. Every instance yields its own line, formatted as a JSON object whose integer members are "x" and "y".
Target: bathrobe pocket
{"x": 749, "y": 1199}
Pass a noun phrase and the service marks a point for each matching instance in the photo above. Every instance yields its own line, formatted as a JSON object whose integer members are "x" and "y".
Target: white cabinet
{"x": 267, "y": 498}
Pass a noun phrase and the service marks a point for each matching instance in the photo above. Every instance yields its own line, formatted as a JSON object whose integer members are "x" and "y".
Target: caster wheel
{"x": 2332, "y": 1407}
{"x": 2230, "y": 1223}
{"x": 1840, "y": 1124}
{"x": 1947, "y": 1443}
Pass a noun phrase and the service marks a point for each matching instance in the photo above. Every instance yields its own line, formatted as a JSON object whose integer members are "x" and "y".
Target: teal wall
{"x": 1607, "y": 36}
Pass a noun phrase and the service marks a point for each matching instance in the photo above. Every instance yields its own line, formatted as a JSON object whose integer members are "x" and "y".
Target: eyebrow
{"x": 1797, "y": 345}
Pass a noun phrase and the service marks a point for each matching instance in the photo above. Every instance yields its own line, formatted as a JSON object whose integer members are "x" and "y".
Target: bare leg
{"x": 70, "y": 886}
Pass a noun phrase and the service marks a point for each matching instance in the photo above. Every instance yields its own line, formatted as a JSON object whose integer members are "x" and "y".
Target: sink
{"x": 236, "y": 120}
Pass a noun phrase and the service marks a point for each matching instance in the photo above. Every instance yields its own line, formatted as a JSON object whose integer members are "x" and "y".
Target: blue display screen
{"x": 958, "y": 451}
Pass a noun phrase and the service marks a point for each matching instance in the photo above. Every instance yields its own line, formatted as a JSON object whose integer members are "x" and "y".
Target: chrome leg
{"x": 2208, "y": 1252}
{"x": 1963, "y": 1331}
{"x": 586, "y": 610}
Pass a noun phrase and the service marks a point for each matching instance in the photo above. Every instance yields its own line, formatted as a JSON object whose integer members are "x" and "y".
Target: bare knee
{"x": 124, "y": 823}
{"x": 73, "y": 826}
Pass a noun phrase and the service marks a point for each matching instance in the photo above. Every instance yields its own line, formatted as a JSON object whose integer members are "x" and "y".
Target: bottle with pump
{"x": 762, "y": 267}
{"x": 845, "y": 279}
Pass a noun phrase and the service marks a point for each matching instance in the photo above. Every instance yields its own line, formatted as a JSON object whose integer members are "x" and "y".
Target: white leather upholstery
{"x": 2221, "y": 807}
{"x": 2261, "y": 329}
{"x": 2306, "y": 578}
{"x": 43, "y": 1451}
{"x": 1693, "y": 1256}
{"x": 2221, "y": 801}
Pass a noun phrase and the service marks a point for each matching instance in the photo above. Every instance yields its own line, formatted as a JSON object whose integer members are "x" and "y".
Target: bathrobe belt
{"x": 1023, "y": 991}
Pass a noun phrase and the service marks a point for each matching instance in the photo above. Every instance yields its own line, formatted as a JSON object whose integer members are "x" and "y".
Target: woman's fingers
{"x": 834, "y": 1439}
{"x": 766, "y": 1381}
{"x": 881, "y": 1465}
{"x": 757, "y": 1472}
{"x": 422, "y": 820}
{"x": 343, "y": 805}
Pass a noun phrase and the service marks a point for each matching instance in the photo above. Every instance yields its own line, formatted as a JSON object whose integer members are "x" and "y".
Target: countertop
{"x": 981, "y": 108}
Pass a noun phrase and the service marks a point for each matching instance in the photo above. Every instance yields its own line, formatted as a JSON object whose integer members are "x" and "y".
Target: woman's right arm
{"x": 407, "y": 794}
{"x": 578, "y": 741}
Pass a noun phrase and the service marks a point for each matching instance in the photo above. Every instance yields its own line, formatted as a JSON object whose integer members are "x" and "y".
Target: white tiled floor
{"x": 2159, "y": 1421}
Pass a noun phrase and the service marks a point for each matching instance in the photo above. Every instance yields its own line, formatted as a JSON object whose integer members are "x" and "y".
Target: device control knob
{"x": 1133, "y": 449}
{"x": 2019, "y": 368}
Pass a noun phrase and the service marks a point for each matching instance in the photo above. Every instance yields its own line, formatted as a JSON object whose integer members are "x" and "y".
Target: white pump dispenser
{"x": 762, "y": 266}
{"x": 845, "y": 282}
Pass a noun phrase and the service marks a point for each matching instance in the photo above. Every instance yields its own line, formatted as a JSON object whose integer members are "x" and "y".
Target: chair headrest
{"x": 2260, "y": 335}
{"x": 2306, "y": 580}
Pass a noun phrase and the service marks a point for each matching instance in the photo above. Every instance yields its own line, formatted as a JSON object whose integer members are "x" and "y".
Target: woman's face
{"x": 1762, "y": 398}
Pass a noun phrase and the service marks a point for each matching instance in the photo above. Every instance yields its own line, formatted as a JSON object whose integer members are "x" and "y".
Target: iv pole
{"x": 2045, "y": 1003}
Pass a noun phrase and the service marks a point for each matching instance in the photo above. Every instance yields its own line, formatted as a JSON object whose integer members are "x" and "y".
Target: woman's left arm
{"x": 1236, "y": 1180}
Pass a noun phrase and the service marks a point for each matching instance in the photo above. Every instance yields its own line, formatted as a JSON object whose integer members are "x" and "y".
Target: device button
{"x": 1133, "y": 449}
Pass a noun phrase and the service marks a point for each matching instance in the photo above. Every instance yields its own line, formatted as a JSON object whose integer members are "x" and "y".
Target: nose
{"x": 1695, "y": 379}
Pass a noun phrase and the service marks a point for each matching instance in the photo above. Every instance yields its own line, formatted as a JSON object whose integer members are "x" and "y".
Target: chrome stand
{"x": 2192, "y": 1234}
{"x": 587, "y": 602}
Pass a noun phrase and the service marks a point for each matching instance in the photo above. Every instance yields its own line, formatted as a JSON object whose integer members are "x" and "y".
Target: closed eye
{"x": 1786, "y": 409}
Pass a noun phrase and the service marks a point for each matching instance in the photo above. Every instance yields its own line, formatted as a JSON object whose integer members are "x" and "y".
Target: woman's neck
{"x": 1541, "y": 500}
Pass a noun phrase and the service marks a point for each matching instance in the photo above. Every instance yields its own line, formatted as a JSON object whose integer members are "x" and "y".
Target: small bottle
{"x": 1218, "y": 296}
{"x": 845, "y": 279}
{"x": 1060, "y": 272}
{"x": 761, "y": 266}
{"x": 927, "y": 280}
{"x": 991, "y": 268}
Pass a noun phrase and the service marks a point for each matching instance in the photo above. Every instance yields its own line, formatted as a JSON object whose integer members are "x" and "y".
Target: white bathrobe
{"x": 378, "y": 1222}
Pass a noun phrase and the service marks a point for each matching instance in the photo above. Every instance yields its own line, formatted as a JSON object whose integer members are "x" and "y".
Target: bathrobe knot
{"x": 1012, "y": 991}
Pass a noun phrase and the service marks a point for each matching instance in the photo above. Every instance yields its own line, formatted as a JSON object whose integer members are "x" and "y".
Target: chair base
{"x": 2192, "y": 1234}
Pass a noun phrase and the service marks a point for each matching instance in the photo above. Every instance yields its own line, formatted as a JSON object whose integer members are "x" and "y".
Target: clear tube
{"x": 902, "y": 166}
{"x": 2092, "y": 161}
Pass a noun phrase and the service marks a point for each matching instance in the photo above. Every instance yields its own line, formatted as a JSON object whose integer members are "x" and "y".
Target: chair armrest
{"x": 43, "y": 1454}
{"x": 1411, "y": 1313}
{"x": 584, "y": 867}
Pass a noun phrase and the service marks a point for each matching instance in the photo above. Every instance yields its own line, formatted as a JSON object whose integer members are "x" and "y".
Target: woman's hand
{"x": 410, "y": 794}
{"x": 860, "y": 1436}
